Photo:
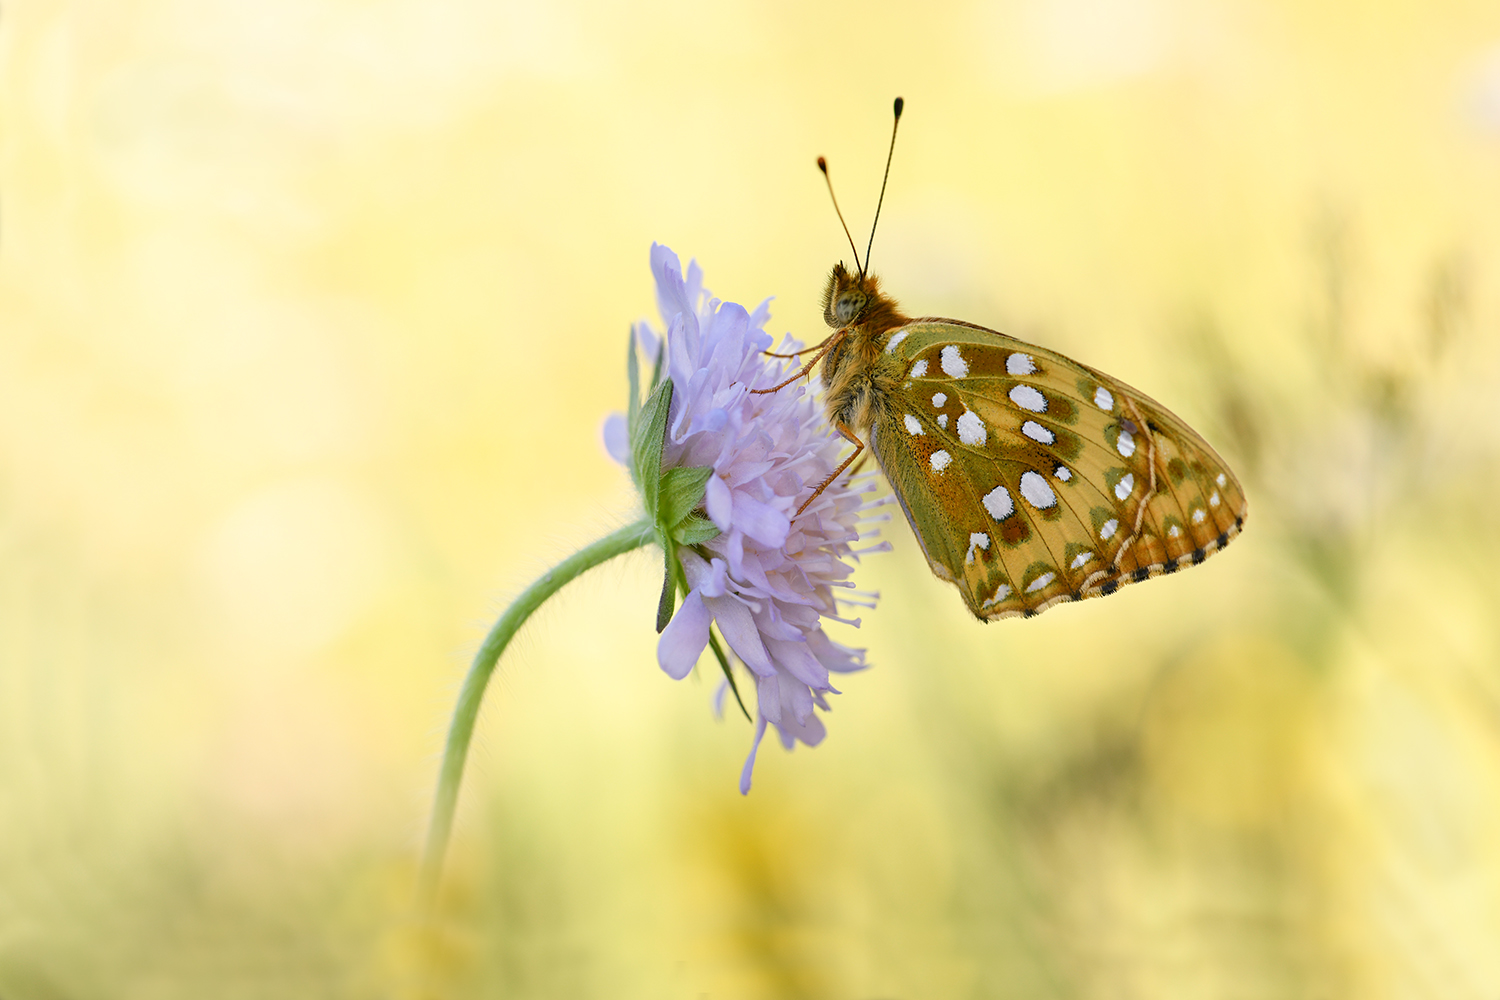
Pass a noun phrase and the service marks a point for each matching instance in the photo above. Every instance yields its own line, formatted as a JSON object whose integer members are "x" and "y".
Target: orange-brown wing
{"x": 1030, "y": 479}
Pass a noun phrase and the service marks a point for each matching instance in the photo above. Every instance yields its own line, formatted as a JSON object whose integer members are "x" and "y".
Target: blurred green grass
{"x": 309, "y": 316}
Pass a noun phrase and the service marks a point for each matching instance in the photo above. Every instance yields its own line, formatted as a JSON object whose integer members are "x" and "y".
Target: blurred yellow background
{"x": 311, "y": 312}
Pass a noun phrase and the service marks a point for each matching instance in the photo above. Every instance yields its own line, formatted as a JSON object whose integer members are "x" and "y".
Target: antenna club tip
{"x": 823, "y": 165}
{"x": 900, "y": 104}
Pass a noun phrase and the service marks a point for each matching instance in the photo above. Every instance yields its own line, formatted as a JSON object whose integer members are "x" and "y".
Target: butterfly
{"x": 1028, "y": 478}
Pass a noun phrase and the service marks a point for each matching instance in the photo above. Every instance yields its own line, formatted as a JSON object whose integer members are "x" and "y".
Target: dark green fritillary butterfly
{"x": 1028, "y": 478}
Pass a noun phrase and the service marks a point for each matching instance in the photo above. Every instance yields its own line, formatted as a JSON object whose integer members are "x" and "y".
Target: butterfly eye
{"x": 849, "y": 306}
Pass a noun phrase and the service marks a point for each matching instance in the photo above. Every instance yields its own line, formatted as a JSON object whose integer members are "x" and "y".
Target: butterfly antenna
{"x": 899, "y": 105}
{"x": 823, "y": 166}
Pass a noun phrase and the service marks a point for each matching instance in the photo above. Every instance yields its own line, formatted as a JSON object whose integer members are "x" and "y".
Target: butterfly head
{"x": 848, "y": 297}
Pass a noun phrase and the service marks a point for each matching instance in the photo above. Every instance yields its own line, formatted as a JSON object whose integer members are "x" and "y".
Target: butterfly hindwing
{"x": 1030, "y": 479}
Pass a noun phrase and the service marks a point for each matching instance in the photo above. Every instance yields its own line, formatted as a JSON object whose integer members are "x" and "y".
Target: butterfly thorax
{"x": 859, "y": 377}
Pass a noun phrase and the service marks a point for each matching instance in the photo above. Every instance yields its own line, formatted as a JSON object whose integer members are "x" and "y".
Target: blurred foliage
{"x": 309, "y": 316}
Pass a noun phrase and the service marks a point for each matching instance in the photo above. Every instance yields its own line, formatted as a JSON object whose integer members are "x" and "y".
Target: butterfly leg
{"x": 859, "y": 447}
{"x": 822, "y": 349}
{"x": 797, "y": 354}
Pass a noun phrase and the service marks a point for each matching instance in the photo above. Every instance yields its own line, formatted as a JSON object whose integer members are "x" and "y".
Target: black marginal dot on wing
{"x": 1028, "y": 613}
{"x": 1141, "y": 574}
{"x": 1239, "y": 523}
{"x": 1170, "y": 566}
{"x": 1108, "y": 587}
{"x": 1223, "y": 539}
{"x": 1198, "y": 556}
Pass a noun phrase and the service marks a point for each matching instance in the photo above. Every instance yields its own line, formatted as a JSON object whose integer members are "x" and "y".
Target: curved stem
{"x": 466, "y": 712}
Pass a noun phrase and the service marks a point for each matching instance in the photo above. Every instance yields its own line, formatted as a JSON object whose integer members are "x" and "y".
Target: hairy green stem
{"x": 466, "y": 712}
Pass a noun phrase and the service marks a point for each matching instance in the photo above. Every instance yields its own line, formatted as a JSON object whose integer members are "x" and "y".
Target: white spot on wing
{"x": 1020, "y": 364}
{"x": 943, "y": 421}
{"x": 1221, "y": 480}
{"x": 977, "y": 540}
{"x": 913, "y": 425}
{"x": 1124, "y": 486}
{"x": 1199, "y": 515}
{"x": 1036, "y": 491}
{"x": 953, "y": 362}
{"x": 971, "y": 429}
{"x": 940, "y": 460}
{"x": 939, "y": 399}
{"x": 1173, "y": 531}
{"x": 1001, "y": 593}
{"x": 1028, "y": 398}
{"x": 894, "y": 342}
{"x": 1125, "y": 444}
{"x": 998, "y": 502}
{"x": 1041, "y": 582}
{"x": 1103, "y": 399}
{"x": 1037, "y": 432}
{"x": 1063, "y": 473}
{"x": 1080, "y": 559}
{"x": 1107, "y": 529}
{"x": 919, "y": 369}
{"x": 1213, "y": 501}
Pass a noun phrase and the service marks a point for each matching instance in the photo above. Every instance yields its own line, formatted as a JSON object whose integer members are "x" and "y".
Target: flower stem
{"x": 466, "y": 712}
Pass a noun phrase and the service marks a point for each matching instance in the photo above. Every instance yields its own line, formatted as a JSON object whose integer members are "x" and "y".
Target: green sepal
{"x": 646, "y": 446}
{"x": 671, "y": 498}
{"x": 633, "y": 371}
{"x": 695, "y": 529}
{"x": 681, "y": 492}
{"x": 713, "y": 643}
{"x": 668, "y": 602}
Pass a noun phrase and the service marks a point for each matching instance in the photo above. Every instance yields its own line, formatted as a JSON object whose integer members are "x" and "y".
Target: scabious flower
{"x": 768, "y": 578}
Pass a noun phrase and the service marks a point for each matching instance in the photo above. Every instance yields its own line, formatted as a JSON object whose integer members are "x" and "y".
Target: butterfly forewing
{"x": 1031, "y": 479}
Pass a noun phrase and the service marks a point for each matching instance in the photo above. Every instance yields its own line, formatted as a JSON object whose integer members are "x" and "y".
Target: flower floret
{"x": 768, "y": 578}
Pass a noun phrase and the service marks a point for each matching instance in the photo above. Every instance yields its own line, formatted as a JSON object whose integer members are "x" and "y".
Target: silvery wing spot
{"x": 1053, "y": 482}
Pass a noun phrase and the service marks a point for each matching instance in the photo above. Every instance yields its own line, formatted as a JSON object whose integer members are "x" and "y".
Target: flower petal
{"x": 759, "y": 318}
{"x": 837, "y": 658}
{"x": 719, "y": 503}
{"x": 617, "y": 439}
{"x": 695, "y": 568}
{"x": 649, "y": 341}
{"x": 811, "y": 732}
{"x": 716, "y": 581}
{"x": 734, "y": 552}
{"x": 796, "y": 702}
{"x": 684, "y": 638}
{"x": 738, "y": 626}
{"x": 760, "y": 732}
{"x": 796, "y": 659}
{"x": 671, "y": 290}
{"x": 768, "y": 698}
{"x": 761, "y": 522}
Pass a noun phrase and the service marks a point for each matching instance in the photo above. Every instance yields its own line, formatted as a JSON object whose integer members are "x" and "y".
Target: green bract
{"x": 672, "y": 497}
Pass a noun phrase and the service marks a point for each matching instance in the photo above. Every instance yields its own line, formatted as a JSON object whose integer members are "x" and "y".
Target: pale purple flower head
{"x": 769, "y": 579}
